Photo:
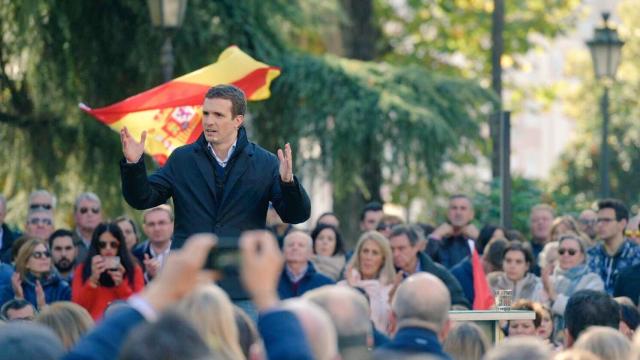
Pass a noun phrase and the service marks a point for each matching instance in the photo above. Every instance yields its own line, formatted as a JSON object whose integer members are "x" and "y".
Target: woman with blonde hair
{"x": 211, "y": 312}
{"x": 466, "y": 341}
{"x": 35, "y": 279}
{"x": 68, "y": 320}
{"x": 605, "y": 342}
{"x": 371, "y": 268}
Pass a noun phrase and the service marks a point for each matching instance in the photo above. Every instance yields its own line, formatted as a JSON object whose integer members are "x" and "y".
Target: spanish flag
{"x": 483, "y": 297}
{"x": 171, "y": 113}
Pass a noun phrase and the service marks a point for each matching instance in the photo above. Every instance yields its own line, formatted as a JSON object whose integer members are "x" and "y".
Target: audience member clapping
{"x": 68, "y": 320}
{"x": 371, "y": 268}
{"x": 108, "y": 273}
{"x": 328, "y": 248}
{"x": 35, "y": 278}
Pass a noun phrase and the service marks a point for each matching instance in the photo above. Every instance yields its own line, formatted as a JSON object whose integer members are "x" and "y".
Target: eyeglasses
{"x": 571, "y": 252}
{"x": 112, "y": 244}
{"x": 40, "y": 206}
{"x": 588, "y": 221}
{"x": 41, "y": 254}
{"x": 605, "y": 220}
{"x": 84, "y": 210}
{"x": 38, "y": 221}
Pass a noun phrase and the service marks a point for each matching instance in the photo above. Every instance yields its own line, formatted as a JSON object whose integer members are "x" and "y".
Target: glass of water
{"x": 503, "y": 299}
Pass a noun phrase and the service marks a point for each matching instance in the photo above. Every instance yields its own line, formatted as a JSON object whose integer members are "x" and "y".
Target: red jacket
{"x": 96, "y": 300}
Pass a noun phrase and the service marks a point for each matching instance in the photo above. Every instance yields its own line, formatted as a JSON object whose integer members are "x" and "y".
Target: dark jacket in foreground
{"x": 411, "y": 341}
{"x": 455, "y": 290}
{"x": 251, "y": 179}
{"x": 311, "y": 280}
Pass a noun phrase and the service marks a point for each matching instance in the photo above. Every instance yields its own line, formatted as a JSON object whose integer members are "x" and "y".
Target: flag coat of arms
{"x": 171, "y": 113}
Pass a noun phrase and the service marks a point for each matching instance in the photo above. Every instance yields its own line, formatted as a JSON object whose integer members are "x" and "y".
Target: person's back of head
{"x": 575, "y": 354}
{"x": 171, "y": 337}
{"x": 317, "y": 326}
{"x": 466, "y": 341}
{"x": 17, "y": 309}
{"x": 349, "y": 313}
{"x": 422, "y": 300}
{"x": 494, "y": 252}
{"x": 521, "y": 348}
{"x": 29, "y": 341}
{"x": 589, "y": 308}
{"x": 605, "y": 342}
{"x": 68, "y": 320}
{"x": 248, "y": 335}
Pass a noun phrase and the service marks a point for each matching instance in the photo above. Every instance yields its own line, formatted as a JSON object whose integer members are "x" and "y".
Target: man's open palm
{"x": 132, "y": 149}
{"x": 286, "y": 163}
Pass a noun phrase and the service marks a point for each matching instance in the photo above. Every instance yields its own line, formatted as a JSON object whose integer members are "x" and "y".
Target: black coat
{"x": 455, "y": 290}
{"x": 251, "y": 180}
{"x": 8, "y": 237}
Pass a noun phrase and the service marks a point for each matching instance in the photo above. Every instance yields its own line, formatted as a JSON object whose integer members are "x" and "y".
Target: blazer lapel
{"x": 204, "y": 164}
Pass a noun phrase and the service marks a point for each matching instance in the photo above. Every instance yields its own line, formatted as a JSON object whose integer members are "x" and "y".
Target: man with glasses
{"x": 587, "y": 223}
{"x": 158, "y": 227}
{"x": 615, "y": 253}
{"x": 42, "y": 199}
{"x": 39, "y": 224}
{"x": 87, "y": 213}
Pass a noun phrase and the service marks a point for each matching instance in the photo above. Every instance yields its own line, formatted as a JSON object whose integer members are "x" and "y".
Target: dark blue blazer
{"x": 8, "y": 237}
{"x": 411, "y": 341}
{"x": 311, "y": 280}
{"x": 463, "y": 272}
{"x": 251, "y": 180}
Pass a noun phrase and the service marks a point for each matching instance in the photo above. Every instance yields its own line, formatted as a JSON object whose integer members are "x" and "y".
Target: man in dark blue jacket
{"x": 299, "y": 275}
{"x": 222, "y": 183}
{"x": 421, "y": 315}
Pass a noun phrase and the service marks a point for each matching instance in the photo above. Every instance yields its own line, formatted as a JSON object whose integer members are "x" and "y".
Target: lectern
{"x": 489, "y": 320}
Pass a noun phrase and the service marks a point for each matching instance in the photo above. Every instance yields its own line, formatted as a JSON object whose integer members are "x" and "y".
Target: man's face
{"x": 25, "y": 314}
{"x": 158, "y": 226}
{"x": 88, "y": 215}
{"x": 587, "y": 222}
{"x": 297, "y": 248}
{"x": 218, "y": 123}
{"x": 460, "y": 212}
{"x": 40, "y": 225}
{"x": 63, "y": 253}
{"x": 371, "y": 220}
{"x": 608, "y": 227}
{"x": 540, "y": 223}
{"x": 404, "y": 255}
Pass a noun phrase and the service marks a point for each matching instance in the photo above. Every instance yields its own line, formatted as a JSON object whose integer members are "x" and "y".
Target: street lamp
{"x": 605, "y": 50}
{"x": 168, "y": 15}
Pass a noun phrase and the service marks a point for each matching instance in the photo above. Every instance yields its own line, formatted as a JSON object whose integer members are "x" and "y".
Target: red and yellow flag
{"x": 171, "y": 113}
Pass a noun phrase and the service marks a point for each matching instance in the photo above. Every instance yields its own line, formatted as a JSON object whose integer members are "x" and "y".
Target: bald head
{"x": 422, "y": 300}
{"x": 297, "y": 247}
{"x": 317, "y": 327}
{"x": 348, "y": 310}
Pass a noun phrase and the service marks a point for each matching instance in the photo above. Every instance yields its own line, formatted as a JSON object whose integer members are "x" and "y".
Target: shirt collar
{"x": 223, "y": 162}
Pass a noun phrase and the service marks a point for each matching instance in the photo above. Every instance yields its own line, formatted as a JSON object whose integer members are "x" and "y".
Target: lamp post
{"x": 605, "y": 47}
{"x": 168, "y": 15}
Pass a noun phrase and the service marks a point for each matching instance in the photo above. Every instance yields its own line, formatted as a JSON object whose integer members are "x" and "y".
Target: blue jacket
{"x": 449, "y": 251}
{"x": 455, "y": 290}
{"x": 411, "y": 341}
{"x": 106, "y": 339}
{"x": 311, "y": 280}
{"x": 250, "y": 181}
{"x": 463, "y": 272}
{"x": 55, "y": 289}
{"x": 608, "y": 267}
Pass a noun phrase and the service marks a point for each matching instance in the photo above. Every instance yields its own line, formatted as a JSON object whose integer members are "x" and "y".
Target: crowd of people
{"x": 389, "y": 296}
{"x": 261, "y": 288}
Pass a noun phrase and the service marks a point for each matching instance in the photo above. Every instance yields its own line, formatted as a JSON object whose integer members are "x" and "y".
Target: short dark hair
{"x": 14, "y": 304}
{"x": 524, "y": 304}
{"x": 231, "y": 93}
{"x": 588, "y": 308}
{"x": 630, "y": 315}
{"x": 621, "y": 210}
{"x": 171, "y": 337}
{"x": 494, "y": 252}
{"x": 372, "y": 206}
{"x": 413, "y": 232}
{"x": 524, "y": 248}
{"x": 339, "y": 243}
{"x": 59, "y": 233}
{"x": 485, "y": 235}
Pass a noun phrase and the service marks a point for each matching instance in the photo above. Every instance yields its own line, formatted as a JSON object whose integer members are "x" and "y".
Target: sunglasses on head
{"x": 112, "y": 244}
{"x": 37, "y": 221}
{"x": 41, "y": 254}
{"x": 571, "y": 252}
{"x": 40, "y": 206}
{"x": 84, "y": 210}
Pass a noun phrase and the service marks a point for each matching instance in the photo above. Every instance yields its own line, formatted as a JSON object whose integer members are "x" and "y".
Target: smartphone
{"x": 113, "y": 262}
{"x": 224, "y": 256}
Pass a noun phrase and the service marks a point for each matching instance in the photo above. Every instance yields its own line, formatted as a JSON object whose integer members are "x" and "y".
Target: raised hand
{"x": 132, "y": 149}
{"x": 98, "y": 266}
{"x": 261, "y": 267}
{"x": 117, "y": 275}
{"x": 16, "y": 284}
{"x": 40, "y": 297}
{"x": 286, "y": 164}
{"x": 151, "y": 265}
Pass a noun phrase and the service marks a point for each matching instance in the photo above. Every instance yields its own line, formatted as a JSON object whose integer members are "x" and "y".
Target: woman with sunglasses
{"x": 570, "y": 275}
{"x": 108, "y": 273}
{"x": 35, "y": 278}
